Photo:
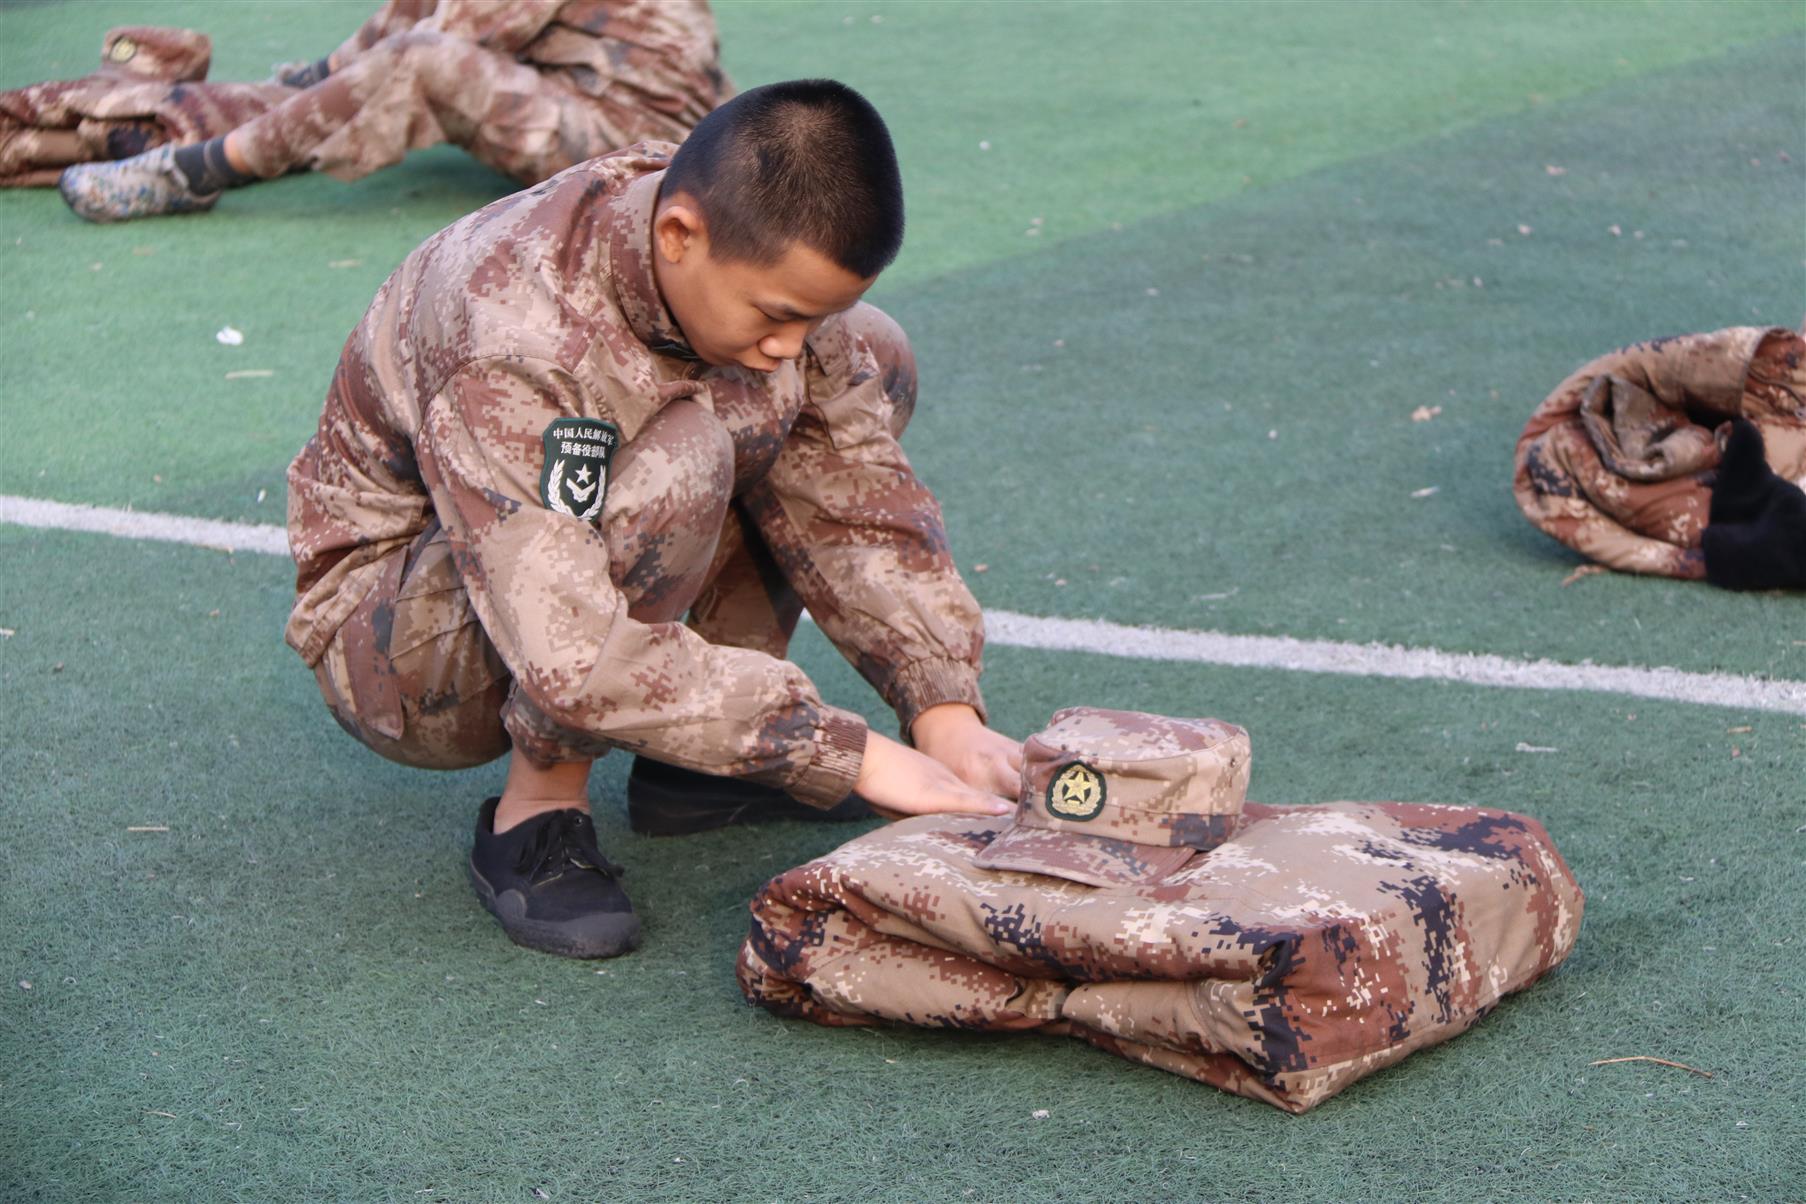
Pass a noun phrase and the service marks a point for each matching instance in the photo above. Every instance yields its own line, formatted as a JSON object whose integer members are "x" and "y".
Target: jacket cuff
{"x": 839, "y": 752}
{"x": 930, "y": 683}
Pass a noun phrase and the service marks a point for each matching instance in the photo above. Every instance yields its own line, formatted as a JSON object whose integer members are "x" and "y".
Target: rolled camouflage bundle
{"x": 1307, "y": 949}
{"x": 1619, "y": 463}
{"x": 149, "y": 89}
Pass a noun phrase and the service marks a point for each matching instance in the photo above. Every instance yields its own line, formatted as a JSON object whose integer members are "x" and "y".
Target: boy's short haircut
{"x": 806, "y": 161}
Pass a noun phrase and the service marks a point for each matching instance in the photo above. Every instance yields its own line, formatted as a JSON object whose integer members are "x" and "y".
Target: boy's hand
{"x": 953, "y": 734}
{"x": 898, "y": 781}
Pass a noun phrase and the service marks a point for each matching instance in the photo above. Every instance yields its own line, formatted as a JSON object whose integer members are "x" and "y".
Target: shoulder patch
{"x": 1076, "y": 792}
{"x": 575, "y": 477}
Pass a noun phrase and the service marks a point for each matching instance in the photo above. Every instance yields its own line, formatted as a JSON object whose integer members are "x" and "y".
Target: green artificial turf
{"x": 297, "y": 973}
{"x": 1205, "y": 420}
{"x": 1095, "y": 113}
{"x": 292, "y": 994}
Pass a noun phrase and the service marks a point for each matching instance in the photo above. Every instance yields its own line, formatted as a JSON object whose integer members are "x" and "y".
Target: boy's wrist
{"x": 926, "y": 684}
{"x": 942, "y": 722}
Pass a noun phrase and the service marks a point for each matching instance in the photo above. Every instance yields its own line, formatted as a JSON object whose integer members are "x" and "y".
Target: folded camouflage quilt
{"x": 149, "y": 89}
{"x": 1313, "y": 947}
{"x": 1621, "y": 461}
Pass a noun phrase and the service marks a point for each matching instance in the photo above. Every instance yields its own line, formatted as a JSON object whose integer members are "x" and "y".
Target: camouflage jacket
{"x": 541, "y": 307}
{"x": 667, "y": 48}
{"x": 1617, "y": 462}
{"x": 1315, "y": 946}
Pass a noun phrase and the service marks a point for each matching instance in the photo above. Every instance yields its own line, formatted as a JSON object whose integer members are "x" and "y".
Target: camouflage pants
{"x": 412, "y": 675}
{"x": 419, "y": 88}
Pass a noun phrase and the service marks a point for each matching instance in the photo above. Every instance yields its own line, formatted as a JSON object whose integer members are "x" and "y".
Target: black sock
{"x": 205, "y": 168}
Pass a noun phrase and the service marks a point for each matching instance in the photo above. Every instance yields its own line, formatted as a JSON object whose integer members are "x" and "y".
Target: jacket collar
{"x": 636, "y": 287}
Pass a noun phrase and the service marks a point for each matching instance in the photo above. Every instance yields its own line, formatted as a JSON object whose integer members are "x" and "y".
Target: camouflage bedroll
{"x": 150, "y": 88}
{"x": 1619, "y": 461}
{"x": 1313, "y": 946}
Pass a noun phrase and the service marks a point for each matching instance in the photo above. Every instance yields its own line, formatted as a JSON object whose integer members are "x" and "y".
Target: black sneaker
{"x": 550, "y": 887}
{"x": 663, "y": 800}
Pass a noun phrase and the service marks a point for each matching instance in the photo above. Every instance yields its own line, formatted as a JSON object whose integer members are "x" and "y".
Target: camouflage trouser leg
{"x": 416, "y": 89}
{"x": 748, "y": 602}
{"x": 411, "y": 672}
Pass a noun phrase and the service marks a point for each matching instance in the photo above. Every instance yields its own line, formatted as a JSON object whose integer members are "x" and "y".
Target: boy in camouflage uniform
{"x": 643, "y": 390}
{"x": 529, "y": 87}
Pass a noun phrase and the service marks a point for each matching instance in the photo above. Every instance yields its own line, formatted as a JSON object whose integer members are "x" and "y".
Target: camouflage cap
{"x": 1118, "y": 797}
{"x": 156, "y": 52}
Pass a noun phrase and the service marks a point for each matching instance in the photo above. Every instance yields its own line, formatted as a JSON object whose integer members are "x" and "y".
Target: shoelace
{"x": 564, "y": 842}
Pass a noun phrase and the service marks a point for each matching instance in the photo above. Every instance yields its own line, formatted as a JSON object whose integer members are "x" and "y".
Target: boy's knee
{"x": 704, "y": 437}
{"x": 684, "y": 454}
{"x": 873, "y": 332}
{"x": 669, "y": 495}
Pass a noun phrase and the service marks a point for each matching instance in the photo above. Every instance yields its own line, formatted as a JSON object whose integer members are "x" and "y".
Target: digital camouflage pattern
{"x": 529, "y": 87}
{"x": 1617, "y": 462}
{"x": 1122, "y": 797}
{"x": 438, "y": 589}
{"x": 411, "y": 672}
{"x": 1315, "y": 946}
{"x": 149, "y": 90}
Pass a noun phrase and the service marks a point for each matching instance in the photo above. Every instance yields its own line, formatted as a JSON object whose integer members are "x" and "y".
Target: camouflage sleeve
{"x": 859, "y": 536}
{"x": 540, "y": 585}
{"x": 504, "y": 28}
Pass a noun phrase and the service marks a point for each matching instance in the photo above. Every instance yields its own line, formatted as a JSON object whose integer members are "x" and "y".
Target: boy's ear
{"x": 678, "y": 230}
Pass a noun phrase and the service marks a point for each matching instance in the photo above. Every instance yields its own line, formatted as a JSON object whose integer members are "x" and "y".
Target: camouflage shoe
{"x": 663, "y": 800}
{"x": 141, "y": 186}
{"x": 550, "y": 887}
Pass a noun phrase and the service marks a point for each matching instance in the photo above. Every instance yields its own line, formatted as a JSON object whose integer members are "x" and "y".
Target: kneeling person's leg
{"x": 666, "y": 518}
{"x": 748, "y": 602}
{"x": 412, "y": 675}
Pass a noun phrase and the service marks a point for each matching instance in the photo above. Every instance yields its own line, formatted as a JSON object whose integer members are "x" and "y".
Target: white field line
{"x": 1104, "y": 639}
{"x": 142, "y": 524}
{"x": 1390, "y": 660}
